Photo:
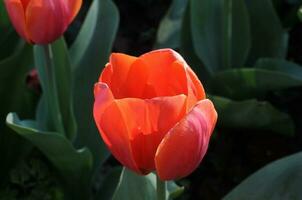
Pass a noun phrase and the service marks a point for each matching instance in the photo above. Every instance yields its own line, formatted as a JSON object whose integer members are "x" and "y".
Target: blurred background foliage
{"x": 248, "y": 54}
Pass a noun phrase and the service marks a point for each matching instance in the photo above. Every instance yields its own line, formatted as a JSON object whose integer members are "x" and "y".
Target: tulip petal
{"x": 148, "y": 121}
{"x": 160, "y": 58}
{"x": 196, "y": 91}
{"x": 73, "y": 8}
{"x": 46, "y": 20}
{"x": 111, "y": 125}
{"x": 25, "y": 3}
{"x": 158, "y": 73}
{"x": 17, "y": 16}
{"x": 116, "y": 72}
{"x": 183, "y": 148}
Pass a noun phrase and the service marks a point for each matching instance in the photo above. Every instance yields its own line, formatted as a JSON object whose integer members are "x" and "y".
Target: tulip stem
{"x": 51, "y": 90}
{"x": 161, "y": 187}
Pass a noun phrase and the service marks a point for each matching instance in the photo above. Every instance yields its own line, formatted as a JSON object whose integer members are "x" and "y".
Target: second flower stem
{"x": 51, "y": 90}
{"x": 161, "y": 187}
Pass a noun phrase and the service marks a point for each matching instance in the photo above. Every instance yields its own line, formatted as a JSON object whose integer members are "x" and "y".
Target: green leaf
{"x": 109, "y": 184}
{"x": 220, "y": 33}
{"x": 4, "y": 22}
{"x": 268, "y": 37}
{"x": 186, "y": 47}
{"x": 62, "y": 75}
{"x": 133, "y": 186}
{"x": 74, "y": 165}
{"x": 278, "y": 180}
{"x": 168, "y": 34}
{"x": 174, "y": 190}
{"x": 9, "y": 40}
{"x": 252, "y": 82}
{"x": 280, "y": 65}
{"x": 14, "y": 96}
{"x": 253, "y": 115}
{"x": 89, "y": 54}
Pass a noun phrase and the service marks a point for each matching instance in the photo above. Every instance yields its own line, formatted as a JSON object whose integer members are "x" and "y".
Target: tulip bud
{"x": 42, "y": 21}
{"x": 33, "y": 82}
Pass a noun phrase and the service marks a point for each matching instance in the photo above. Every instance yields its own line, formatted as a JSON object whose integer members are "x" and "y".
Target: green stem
{"x": 161, "y": 187}
{"x": 51, "y": 90}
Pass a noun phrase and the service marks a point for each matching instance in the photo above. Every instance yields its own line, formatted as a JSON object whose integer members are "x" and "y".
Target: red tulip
{"x": 42, "y": 21}
{"x": 152, "y": 113}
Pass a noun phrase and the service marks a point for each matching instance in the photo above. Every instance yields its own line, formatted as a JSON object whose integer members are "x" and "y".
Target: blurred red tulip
{"x": 33, "y": 82}
{"x": 42, "y": 21}
{"x": 152, "y": 113}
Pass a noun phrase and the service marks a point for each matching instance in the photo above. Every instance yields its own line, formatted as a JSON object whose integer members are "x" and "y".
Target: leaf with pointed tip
{"x": 268, "y": 37}
{"x": 9, "y": 39}
{"x": 136, "y": 187}
{"x": 220, "y": 33}
{"x": 252, "y": 114}
{"x": 278, "y": 180}
{"x": 74, "y": 165}
{"x": 63, "y": 78}
{"x": 15, "y": 96}
{"x": 186, "y": 47}
{"x": 280, "y": 65}
{"x": 89, "y": 54}
{"x": 168, "y": 34}
{"x": 247, "y": 83}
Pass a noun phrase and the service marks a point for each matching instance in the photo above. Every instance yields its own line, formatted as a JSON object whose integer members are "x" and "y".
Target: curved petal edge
{"x": 185, "y": 145}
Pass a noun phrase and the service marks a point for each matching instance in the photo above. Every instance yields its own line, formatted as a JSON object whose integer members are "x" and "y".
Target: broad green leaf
{"x": 186, "y": 47}
{"x": 220, "y": 32}
{"x": 268, "y": 37}
{"x": 247, "y": 83}
{"x": 109, "y": 184}
{"x": 133, "y": 186}
{"x": 280, "y": 65}
{"x": 73, "y": 165}
{"x": 174, "y": 190}
{"x": 89, "y": 54}
{"x": 15, "y": 96}
{"x": 168, "y": 35}
{"x": 9, "y": 39}
{"x": 62, "y": 76}
{"x": 4, "y": 20}
{"x": 278, "y": 180}
{"x": 252, "y": 115}
{"x": 9, "y": 42}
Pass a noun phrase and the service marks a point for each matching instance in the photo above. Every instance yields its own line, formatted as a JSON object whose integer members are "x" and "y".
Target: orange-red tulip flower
{"x": 152, "y": 113}
{"x": 42, "y": 21}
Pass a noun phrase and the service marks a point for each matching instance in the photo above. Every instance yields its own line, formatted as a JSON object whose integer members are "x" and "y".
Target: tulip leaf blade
{"x": 89, "y": 53}
{"x": 168, "y": 34}
{"x": 133, "y": 186}
{"x": 247, "y": 83}
{"x": 63, "y": 80}
{"x": 220, "y": 33}
{"x": 186, "y": 46}
{"x": 9, "y": 39}
{"x": 252, "y": 115}
{"x": 109, "y": 184}
{"x": 269, "y": 39}
{"x": 15, "y": 95}
{"x": 3, "y": 16}
{"x": 73, "y": 165}
{"x": 278, "y": 180}
{"x": 280, "y": 65}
